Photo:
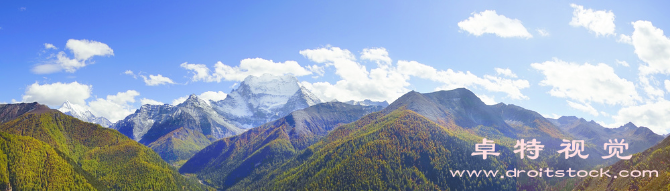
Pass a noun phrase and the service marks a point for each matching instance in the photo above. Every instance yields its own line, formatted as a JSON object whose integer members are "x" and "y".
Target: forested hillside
{"x": 45, "y": 148}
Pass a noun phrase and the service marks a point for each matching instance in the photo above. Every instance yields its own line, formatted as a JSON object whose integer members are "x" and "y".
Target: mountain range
{"x": 410, "y": 144}
{"x": 655, "y": 158}
{"x": 44, "y": 149}
{"x": 176, "y": 133}
{"x": 83, "y": 114}
{"x": 299, "y": 142}
{"x": 230, "y": 160}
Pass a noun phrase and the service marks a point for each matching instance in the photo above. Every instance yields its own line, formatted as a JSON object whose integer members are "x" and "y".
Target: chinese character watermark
{"x": 576, "y": 147}
{"x": 616, "y": 148}
{"x": 485, "y": 149}
{"x": 533, "y": 147}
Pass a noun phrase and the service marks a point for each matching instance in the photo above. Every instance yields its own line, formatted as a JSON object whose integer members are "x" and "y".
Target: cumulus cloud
{"x": 130, "y": 73}
{"x": 600, "y": 22}
{"x": 490, "y": 22}
{"x": 379, "y": 55}
{"x": 625, "y": 39}
{"x": 212, "y": 95}
{"x": 622, "y": 63}
{"x": 388, "y": 82}
{"x": 667, "y": 85}
{"x": 652, "y": 47}
{"x": 543, "y": 32}
{"x": 83, "y": 51}
{"x": 145, "y": 101}
{"x": 586, "y": 83}
{"x": 652, "y": 115}
{"x": 487, "y": 100}
{"x": 49, "y": 46}
{"x": 156, "y": 80}
{"x": 584, "y": 107}
{"x": 458, "y": 79}
{"x": 57, "y": 93}
{"x": 651, "y": 90}
{"x": 505, "y": 72}
{"x": 114, "y": 107}
{"x": 356, "y": 81}
{"x": 249, "y": 66}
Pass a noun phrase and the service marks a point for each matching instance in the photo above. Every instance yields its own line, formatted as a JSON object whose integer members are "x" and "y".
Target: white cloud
{"x": 487, "y": 100}
{"x": 490, "y": 22}
{"x": 356, "y": 81}
{"x": 212, "y": 95}
{"x": 388, "y": 82}
{"x": 114, "y": 107}
{"x": 652, "y": 47}
{"x": 667, "y": 85}
{"x": 543, "y": 32}
{"x": 583, "y": 107}
{"x": 622, "y": 63}
{"x": 599, "y": 22}
{"x": 604, "y": 114}
{"x": 552, "y": 116}
{"x": 328, "y": 55}
{"x": 652, "y": 92}
{"x": 249, "y": 66}
{"x": 586, "y": 83}
{"x": 145, "y": 101}
{"x": 625, "y": 39}
{"x": 505, "y": 72}
{"x": 83, "y": 51}
{"x": 156, "y": 80}
{"x": 130, "y": 73}
{"x": 316, "y": 69}
{"x": 452, "y": 79}
{"x": 200, "y": 72}
{"x": 49, "y": 46}
{"x": 57, "y": 93}
{"x": 653, "y": 115}
{"x": 379, "y": 55}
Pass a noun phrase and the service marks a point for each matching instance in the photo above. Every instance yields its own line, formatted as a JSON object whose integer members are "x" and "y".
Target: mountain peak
{"x": 271, "y": 84}
{"x": 82, "y": 113}
{"x": 261, "y": 99}
{"x": 192, "y": 97}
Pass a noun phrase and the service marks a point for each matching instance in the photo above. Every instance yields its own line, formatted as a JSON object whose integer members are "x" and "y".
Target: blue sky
{"x": 600, "y": 60}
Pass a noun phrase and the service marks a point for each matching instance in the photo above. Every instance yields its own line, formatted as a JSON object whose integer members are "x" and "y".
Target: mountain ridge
{"x": 94, "y": 156}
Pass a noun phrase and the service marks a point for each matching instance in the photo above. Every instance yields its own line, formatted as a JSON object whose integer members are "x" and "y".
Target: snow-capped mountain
{"x": 192, "y": 113}
{"x": 261, "y": 99}
{"x": 368, "y": 102}
{"x": 177, "y": 132}
{"x": 83, "y": 114}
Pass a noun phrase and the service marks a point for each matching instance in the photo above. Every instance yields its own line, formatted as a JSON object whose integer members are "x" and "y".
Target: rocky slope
{"x": 177, "y": 132}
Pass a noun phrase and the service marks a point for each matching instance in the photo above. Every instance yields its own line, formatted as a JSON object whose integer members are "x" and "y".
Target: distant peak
{"x": 270, "y": 84}
{"x": 192, "y": 96}
{"x": 629, "y": 125}
{"x": 66, "y": 104}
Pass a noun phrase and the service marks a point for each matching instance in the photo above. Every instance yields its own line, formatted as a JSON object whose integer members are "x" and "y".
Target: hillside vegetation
{"x": 45, "y": 148}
